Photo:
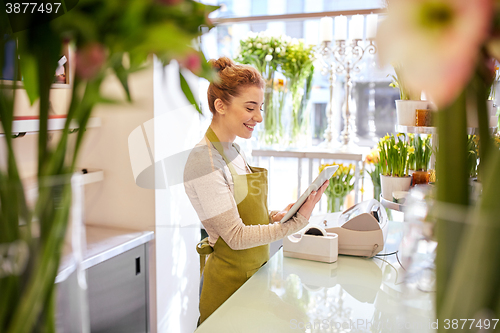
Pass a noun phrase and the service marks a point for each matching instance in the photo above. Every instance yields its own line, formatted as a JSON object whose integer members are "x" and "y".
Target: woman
{"x": 229, "y": 196}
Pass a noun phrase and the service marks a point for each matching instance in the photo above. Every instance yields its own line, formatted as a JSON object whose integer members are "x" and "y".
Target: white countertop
{"x": 102, "y": 243}
{"x": 351, "y": 295}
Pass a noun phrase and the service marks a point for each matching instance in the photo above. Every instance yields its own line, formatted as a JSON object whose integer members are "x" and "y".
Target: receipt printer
{"x": 312, "y": 243}
{"x": 361, "y": 230}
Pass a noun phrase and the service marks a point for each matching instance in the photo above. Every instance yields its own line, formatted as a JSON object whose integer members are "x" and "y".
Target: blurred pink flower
{"x": 192, "y": 62}
{"x": 436, "y": 42}
{"x": 89, "y": 60}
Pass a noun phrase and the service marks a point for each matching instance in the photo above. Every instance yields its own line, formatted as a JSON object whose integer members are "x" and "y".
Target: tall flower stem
{"x": 452, "y": 188}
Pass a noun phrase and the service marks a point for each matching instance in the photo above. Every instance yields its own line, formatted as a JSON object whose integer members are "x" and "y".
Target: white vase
{"x": 406, "y": 111}
{"x": 390, "y": 184}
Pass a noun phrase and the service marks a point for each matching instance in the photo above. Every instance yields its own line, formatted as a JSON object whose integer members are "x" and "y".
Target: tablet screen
{"x": 326, "y": 174}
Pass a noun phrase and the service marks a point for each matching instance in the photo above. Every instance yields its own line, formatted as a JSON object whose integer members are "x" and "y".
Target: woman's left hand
{"x": 278, "y": 216}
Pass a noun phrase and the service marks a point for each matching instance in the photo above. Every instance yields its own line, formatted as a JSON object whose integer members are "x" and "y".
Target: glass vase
{"x": 336, "y": 204}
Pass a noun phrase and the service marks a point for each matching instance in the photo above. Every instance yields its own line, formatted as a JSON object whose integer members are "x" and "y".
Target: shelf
{"x": 391, "y": 205}
{"x": 416, "y": 129}
{"x": 92, "y": 176}
{"x": 19, "y": 84}
{"x": 56, "y": 123}
{"x": 433, "y": 130}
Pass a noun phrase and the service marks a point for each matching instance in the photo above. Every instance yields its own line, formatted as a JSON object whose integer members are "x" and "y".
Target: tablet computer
{"x": 326, "y": 174}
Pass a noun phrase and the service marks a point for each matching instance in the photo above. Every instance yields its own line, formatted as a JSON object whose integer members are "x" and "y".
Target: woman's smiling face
{"x": 239, "y": 117}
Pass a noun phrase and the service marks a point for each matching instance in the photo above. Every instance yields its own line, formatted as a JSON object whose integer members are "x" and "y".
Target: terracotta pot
{"x": 406, "y": 111}
{"x": 390, "y": 184}
{"x": 420, "y": 177}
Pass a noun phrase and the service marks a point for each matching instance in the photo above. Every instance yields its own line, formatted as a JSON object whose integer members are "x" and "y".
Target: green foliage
{"x": 421, "y": 156}
{"x": 103, "y": 33}
{"x": 398, "y": 82}
{"x": 395, "y": 155}
{"x": 294, "y": 60}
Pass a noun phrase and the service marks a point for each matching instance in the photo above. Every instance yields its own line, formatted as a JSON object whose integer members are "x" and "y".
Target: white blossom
{"x": 269, "y": 57}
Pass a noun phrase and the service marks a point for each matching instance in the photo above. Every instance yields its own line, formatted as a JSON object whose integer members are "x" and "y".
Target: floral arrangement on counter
{"x": 341, "y": 184}
{"x": 273, "y": 55}
{"x": 395, "y": 154}
{"x": 445, "y": 48}
{"x": 373, "y": 162}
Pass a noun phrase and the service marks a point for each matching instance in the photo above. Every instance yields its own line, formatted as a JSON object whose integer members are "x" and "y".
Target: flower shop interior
{"x": 97, "y": 233}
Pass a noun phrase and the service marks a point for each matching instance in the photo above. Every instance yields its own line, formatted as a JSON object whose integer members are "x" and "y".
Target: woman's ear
{"x": 219, "y": 106}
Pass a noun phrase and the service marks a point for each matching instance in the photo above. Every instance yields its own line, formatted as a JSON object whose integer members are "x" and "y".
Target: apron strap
{"x": 218, "y": 146}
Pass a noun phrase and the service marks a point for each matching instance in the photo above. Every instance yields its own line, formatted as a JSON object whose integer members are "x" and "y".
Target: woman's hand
{"x": 308, "y": 206}
{"x": 278, "y": 216}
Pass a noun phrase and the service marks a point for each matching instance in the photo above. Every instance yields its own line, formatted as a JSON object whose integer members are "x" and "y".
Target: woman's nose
{"x": 258, "y": 116}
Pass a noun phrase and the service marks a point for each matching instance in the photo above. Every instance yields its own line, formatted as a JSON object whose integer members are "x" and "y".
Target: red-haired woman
{"x": 230, "y": 196}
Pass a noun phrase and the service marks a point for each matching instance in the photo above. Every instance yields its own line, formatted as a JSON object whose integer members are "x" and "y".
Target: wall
{"x": 117, "y": 201}
{"x": 176, "y": 130}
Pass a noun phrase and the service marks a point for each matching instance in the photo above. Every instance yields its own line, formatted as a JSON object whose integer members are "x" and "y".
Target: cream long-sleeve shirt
{"x": 209, "y": 186}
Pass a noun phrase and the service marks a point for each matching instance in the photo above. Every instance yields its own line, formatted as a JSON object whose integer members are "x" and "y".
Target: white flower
{"x": 269, "y": 57}
{"x": 436, "y": 43}
{"x": 250, "y": 45}
{"x": 278, "y": 50}
{"x": 258, "y": 45}
{"x": 271, "y": 50}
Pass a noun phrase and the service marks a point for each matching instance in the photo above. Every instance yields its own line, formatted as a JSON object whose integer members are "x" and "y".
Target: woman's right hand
{"x": 308, "y": 206}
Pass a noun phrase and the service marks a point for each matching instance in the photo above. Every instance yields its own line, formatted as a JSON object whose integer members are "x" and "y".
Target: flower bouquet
{"x": 298, "y": 68}
{"x": 394, "y": 156}
{"x": 341, "y": 184}
{"x": 374, "y": 171}
{"x": 266, "y": 53}
{"x": 107, "y": 36}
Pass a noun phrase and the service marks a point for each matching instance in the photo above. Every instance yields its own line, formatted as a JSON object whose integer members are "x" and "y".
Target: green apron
{"x": 226, "y": 270}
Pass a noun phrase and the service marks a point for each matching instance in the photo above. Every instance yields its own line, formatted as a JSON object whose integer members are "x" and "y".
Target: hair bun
{"x": 221, "y": 63}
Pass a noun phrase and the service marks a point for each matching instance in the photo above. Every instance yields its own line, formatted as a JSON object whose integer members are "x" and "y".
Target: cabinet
{"x": 117, "y": 293}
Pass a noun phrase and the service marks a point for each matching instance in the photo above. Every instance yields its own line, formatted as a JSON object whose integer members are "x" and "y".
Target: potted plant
{"x": 107, "y": 37}
{"x": 420, "y": 159}
{"x": 341, "y": 184}
{"x": 409, "y": 100}
{"x": 394, "y": 157}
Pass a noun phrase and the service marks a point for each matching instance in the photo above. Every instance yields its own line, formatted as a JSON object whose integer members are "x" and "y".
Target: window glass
{"x": 372, "y": 99}
{"x": 245, "y": 8}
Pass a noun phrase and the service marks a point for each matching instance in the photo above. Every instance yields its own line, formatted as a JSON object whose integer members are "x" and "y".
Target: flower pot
{"x": 406, "y": 111}
{"x": 390, "y": 184}
{"x": 420, "y": 177}
{"x": 492, "y": 108}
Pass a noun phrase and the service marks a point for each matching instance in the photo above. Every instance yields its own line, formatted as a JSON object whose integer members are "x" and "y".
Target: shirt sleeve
{"x": 213, "y": 200}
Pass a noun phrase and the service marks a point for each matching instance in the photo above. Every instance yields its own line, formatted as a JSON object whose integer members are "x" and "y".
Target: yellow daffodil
{"x": 411, "y": 150}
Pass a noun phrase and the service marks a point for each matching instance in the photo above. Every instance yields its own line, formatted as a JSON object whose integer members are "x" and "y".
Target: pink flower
{"x": 192, "y": 62}
{"x": 89, "y": 60}
{"x": 436, "y": 42}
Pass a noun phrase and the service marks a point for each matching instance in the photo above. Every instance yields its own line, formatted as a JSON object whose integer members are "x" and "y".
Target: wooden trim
{"x": 298, "y": 16}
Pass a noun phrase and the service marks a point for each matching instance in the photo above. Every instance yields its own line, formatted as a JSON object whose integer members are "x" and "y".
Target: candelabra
{"x": 342, "y": 59}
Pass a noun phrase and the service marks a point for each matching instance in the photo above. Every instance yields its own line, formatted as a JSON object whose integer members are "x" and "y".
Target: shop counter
{"x": 353, "y": 294}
